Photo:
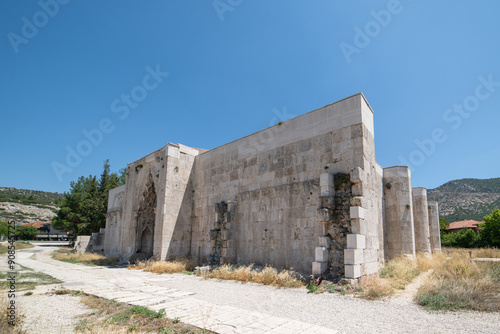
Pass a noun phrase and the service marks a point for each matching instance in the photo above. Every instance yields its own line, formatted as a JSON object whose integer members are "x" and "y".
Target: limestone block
{"x": 358, "y": 189}
{"x": 228, "y": 252}
{"x": 173, "y": 151}
{"x": 327, "y": 202}
{"x": 371, "y": 268}
{"x": 353, "y": 256}
{"x": 326, "y": 179}
{"x": 325, "y": 215}
{"x": 361, "y": 201}
{"x": 357, "y": 175}
{"x": 326, "y": 191}
{"x": 203, "y": 271}
{"x": 352, "y": 270}
{"x": 357, "y": 212}
{"x": 359, "y": 226}
{"x": 318, "y": 268}
{"x": 324, "y": 241}
{"x": 370, "y": 255}
{"x": 321, "y": 254}
{"x": 356, "y": 241}
{"x": 224, "y": 234}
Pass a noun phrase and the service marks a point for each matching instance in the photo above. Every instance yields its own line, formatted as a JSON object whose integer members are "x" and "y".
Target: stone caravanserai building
{"x": 305, "y": 194}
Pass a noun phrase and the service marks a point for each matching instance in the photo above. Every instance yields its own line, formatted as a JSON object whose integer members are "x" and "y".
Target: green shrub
{"x": 465, "y": 238}
{"x": 313, "y": 288}
{"x": 490, "y": 234}
{"x": 26, "y": 232}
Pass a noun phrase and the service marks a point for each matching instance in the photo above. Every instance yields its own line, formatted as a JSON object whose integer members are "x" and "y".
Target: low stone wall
{"x": 90, "y": 243}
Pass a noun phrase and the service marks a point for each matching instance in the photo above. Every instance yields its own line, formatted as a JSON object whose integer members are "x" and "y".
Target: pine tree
{"x": 83, "y": 209}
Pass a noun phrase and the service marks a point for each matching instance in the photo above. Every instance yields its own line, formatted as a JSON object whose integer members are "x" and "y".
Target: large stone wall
{"x": 273, "y": 177}
{"x": 306, "y": 194}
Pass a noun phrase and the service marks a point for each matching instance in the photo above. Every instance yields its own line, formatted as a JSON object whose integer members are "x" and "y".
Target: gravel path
{"x": 338, "y": 314}
{"x": 51, "y": 313}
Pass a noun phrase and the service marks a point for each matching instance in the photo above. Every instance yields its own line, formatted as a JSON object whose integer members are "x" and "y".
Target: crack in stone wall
{"x": 340, "y": 226}
{"x": 218, "y": 234}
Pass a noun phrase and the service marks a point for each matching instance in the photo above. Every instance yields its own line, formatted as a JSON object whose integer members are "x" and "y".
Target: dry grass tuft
{"x": 458, "y": 283}
{"x": 84, "y": 258}
{"x": 266, "y": 275}
{"x": 373, "y": 287}
{"x": 160, "y": 267}
{"x": 5, "y": 317}
{"x": 396, "y": 274}
{"x": 427, "y": 262}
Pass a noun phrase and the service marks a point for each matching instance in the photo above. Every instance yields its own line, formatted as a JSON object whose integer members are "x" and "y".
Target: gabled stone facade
{"x": 306, "y": 194}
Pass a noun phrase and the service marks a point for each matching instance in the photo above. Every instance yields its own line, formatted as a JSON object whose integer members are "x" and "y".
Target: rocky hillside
{"x": 467, "y": 198}
{"x": 28, "y": 205}
{"x": 26, "y": 213}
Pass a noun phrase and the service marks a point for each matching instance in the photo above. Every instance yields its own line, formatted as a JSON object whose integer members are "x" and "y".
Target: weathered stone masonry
{"x": 306, "y": 193}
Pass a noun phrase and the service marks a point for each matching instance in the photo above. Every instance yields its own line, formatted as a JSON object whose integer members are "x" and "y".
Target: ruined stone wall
{"x": 155, "y": 212}
{"x": 273, "y": 176}
{"x": 365, "y": 252}
{"x": 340, "y": 227}
{"x": 114, "y": 221}
{"x": 261, "y": 199}
{"x": 177, "y": 205}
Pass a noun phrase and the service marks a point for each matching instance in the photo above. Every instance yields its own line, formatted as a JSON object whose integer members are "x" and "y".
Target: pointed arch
{"x": 146, "y": 216}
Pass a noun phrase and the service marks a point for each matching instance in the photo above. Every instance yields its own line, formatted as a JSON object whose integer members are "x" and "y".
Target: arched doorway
{"x": 146, "y": 221}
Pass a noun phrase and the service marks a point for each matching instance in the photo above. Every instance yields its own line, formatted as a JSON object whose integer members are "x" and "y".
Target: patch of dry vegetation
{"x": 396, "y": 274}
{"x": 110, "y": 316}
{"x": 458, "y": 283}
{"x": 63, "y": 254}
{"x": 266, "y": 275}
{"x": 474, "y": 252}
{"x": 4, "y": 246}
{"x": 27, "y": 280}
{"x": 179, "y": 265}
{"x": 5, "y": 317}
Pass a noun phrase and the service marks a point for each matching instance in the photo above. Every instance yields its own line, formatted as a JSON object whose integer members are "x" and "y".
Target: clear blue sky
{"x": 235, "y": 67}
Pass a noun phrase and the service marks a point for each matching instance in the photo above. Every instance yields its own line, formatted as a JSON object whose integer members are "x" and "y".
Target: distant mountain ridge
{"x": 40, "y": 197}
{"x": 467, "y": 198}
